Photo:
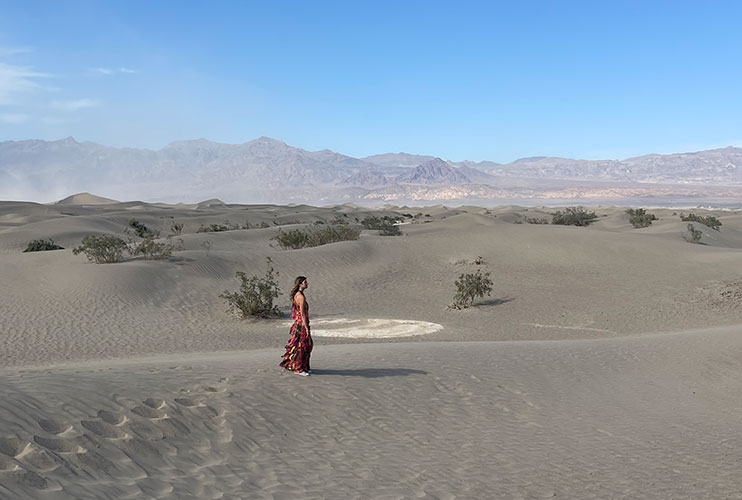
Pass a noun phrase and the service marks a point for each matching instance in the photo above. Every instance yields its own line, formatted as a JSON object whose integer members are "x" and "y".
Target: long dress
{"x": 299, "y": 347}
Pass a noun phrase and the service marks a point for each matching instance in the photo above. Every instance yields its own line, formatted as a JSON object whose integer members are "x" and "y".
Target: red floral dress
{"x": 299, "y": 347}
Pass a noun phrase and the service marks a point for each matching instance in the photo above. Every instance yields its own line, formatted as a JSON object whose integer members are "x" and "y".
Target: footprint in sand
{"x": 59, "y": 445}
{"x": 112, "y": 418}
{"x": 148, "y": 412}
{"x": 103, "y": 429}
{"x": 187, "y": 402}
{"x": 6, "y": 464}
{"x": 53, "y": 427}
{"x": 12, "y": 446}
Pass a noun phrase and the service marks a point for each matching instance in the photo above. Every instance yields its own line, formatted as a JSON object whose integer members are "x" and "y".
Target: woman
{"x": 296, "y": 358}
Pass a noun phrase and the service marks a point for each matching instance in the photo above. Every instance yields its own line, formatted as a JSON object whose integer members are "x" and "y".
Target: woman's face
{"x": 304, "y": 284}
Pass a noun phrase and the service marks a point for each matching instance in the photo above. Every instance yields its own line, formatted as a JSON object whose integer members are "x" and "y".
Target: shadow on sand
{"x": 493, "y": 302}
{"x": 371, "y": 372}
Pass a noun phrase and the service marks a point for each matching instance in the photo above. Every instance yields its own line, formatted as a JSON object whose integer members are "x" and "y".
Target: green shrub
{"x": 537, "y": 220}
{"x": 573, "y": 216}
{"x": 469, "y": 286}
{"x": 151, "y": 249}
{"x": 102, "y": 249}
{"x": 141, "y": 230}
{"x": 709, "y": 220}
{"x": 387, "y": 225}
{"x": 301, "y": 238}
{"x": 256, "y": 296}
{"x": 217, "y": 228}
{"x": 692, "y": 235}
{"x": 42, "y": 246}
{"x": 639, "y": 217}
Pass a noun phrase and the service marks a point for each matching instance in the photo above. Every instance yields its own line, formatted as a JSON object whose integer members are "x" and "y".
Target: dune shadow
{"x": 370, "y": 372}
{"x": 494, "y": 302}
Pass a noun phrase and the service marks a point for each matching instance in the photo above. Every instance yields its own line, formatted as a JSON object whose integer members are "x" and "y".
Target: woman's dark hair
{"x": 298, "y": 281}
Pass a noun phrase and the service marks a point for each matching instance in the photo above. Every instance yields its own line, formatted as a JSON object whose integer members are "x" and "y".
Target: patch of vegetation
{"x": 386, "y": 225}
{"x": 102, "y": 249}
{"x": 537, "y": 220}
{"x": 217, "y": 228}
{"x": 639, "y": 217}
{"x": 294, "y": 239}
{"x": 692, "y": 235}
{"x": 256, "y": 296}
{"x": 709, "y": 220}
{"x": 151, "y": 249}
{"x": 573, "y": 216}
{"x": 176, "y": 228}
{"x": 141, "y": 230}
{"x": 469, "y": 286}
{"x": 42, "y": 246}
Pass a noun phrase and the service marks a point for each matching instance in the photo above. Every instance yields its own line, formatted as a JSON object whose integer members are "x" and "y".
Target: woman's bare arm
{"x": 303, "y": 308}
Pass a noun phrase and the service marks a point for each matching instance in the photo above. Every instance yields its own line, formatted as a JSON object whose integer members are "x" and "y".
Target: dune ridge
{"x": 604, "y": 365}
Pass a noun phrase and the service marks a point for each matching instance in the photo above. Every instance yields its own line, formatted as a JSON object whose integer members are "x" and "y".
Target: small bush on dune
{"x": 537, "y": 220}
{"x": 102, "y": 249}
{"x": 141, "y": 230}
{"x": 151, "y": 249}
{"x": 294, "y": 239}
{"x": 573, "y": 216}
{"x": 692, "y": 235}
{"x": 176, "y": 228}
{"x": 42, "y": 246}
{"x": 256, "y": 296}
{"x": 217, "y": 228}
{"x": 387, "y": 225}
{"x": 469, "y": 286}
{"x": 639, "y": 217}
{"x": 709, "y": 220}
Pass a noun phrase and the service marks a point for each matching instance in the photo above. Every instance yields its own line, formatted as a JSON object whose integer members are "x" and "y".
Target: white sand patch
{"x": 371, "y": 328}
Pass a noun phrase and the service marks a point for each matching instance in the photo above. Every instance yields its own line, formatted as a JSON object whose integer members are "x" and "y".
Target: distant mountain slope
{"x": 269, "y": 170}
{"x": 85, "y": 199}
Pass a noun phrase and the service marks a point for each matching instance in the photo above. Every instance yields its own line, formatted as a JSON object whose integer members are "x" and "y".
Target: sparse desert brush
{"x": 102, "y": 249}
{"x": 42, "y": 246}
{"x": 294, "y": 239}
{"x": 709, "y": 220}
{"x": 151, "y": 249}
{"x": 256, "y": 296}
{"x": 573, "y": 216}
{"x": 176, "y": 228}
{"x": 469, "y": 286}
{"x": 339, "y": 220}
{"x": 639, "y": 217}
{"x": 692, "y": 235}
{"x": 217, "y": 228}
{"x": 537, "y": 220}
{"x": 387, "y": 225}
{"x": 141, "y": 230}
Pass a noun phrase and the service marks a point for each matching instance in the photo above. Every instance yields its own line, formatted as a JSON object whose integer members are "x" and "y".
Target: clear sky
{"x": 460, "y": 80}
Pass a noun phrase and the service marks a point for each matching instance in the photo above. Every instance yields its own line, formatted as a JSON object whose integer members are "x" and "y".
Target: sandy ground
{"x": 606, "y": 363}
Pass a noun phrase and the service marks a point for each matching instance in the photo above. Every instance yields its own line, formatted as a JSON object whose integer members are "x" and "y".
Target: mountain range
{"x": 267, "y": 170}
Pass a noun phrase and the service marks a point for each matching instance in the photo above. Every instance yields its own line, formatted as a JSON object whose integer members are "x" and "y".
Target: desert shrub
{"x": 386, "y": 225}
{"x": 42, "y": 246}
{"x": 339, "y": 220}
{"x": 692, "y": 235}
{"x": 709, "y": 220}
{"x": 206, "y": 244}
{"x": 256, "y": 296}
{"x": 537, "y": 220}
{"x": 217, "y": 228}
{"x": 639, "y": 217}
{"x": 469, "y": 286}
{"x": 573, "y": 216}
{"x": 300, "y": 238}
{"x": 151, "y": 249}
{"x": 176, "y": 228}
{"x": 102, "y": 249}
{"x": 292, "y": 239}
{"x": 141, "y": 230}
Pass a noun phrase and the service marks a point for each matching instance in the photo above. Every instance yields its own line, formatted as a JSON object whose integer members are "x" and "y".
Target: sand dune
{"x": 130, "y": 380}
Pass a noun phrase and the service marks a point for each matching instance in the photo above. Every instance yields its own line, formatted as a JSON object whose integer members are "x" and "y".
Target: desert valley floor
{"x": 607, "y": 363}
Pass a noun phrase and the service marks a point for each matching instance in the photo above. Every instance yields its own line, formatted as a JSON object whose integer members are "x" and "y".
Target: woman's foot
{"x": 303, "y": 374}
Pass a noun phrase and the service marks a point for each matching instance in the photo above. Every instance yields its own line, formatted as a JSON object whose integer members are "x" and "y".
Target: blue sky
{"x": 459, "y": 80}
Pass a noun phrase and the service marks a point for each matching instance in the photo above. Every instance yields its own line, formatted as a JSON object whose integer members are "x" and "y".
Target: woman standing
{"x": 296, "y": 358}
